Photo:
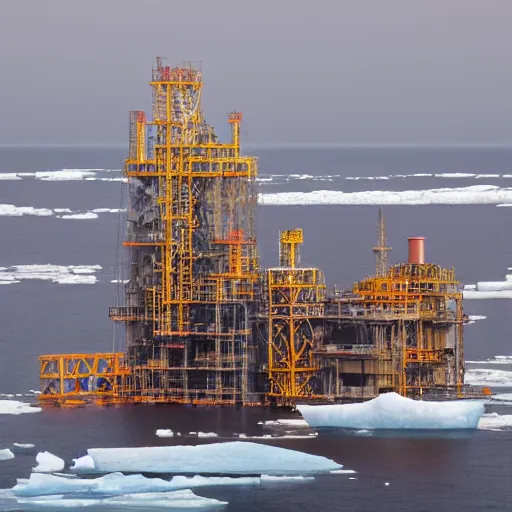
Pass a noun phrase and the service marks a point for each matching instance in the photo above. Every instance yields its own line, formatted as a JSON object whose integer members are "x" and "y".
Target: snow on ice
{"x": 392, "y": 411}
{"x": 237, "y": 457}
{"x": 14, "y": 407}
{"x": 48, "y": 463}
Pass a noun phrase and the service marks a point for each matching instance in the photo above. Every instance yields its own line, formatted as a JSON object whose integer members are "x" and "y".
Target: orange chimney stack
{"x": 416, "y": 249}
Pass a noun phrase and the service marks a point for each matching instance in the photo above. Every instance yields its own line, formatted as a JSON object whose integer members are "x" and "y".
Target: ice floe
{"x": 502, "y": 397}
{"x": 185, "y": 499}
{"x": 476, "y": 194}
{"x": 207, "y": 434}
{"x": 64, "y": 175}
{"x": 342, "y": 472}
{"x": 14, "y": 407}
{"x": 392, "y": 411}
{"x": 9, "y": 176}
{"x": 237, "y": 457}
{"x": 488, "y": 377}
{"x": 82, "y": 216}
{"x": 478, "y": 294}
{"x": 117, "y": 483}
{"x": 164, "y": 432}
{"x": 278, "y": 437}
{"x": 6, "y": 454}
{"x": 48, "y": 463}
{"x": 23, "y": 446}
{"x": 495, "y": 421}
{"x": 493, "y": 286}
{"x": 289, "y": 422}
{"x": 11, "y": 210}
{"x": 494, "y": 360}
{"x": 116, "y": 488}
{"x": 60, "y": 274}
{"x": 298, "y": 478}
{"x": 475, "y": 318}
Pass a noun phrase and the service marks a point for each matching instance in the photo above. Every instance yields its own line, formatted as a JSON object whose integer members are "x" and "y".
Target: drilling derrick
{"x": 194, "y": 260}
{"x": 381, "y": 249}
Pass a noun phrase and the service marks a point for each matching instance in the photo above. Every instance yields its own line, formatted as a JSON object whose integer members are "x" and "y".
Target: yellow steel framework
{"x": 193, "y": 256}
{"x": 426, "y": 301}
{"x": 78, "y": 376}
{"x": 295, "y": 307}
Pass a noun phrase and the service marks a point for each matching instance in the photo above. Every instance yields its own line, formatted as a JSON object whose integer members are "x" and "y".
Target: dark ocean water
{"x": 425, "y": 473}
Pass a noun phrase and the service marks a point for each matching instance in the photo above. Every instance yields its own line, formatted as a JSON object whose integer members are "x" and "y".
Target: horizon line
{"x": 285, "y": 145}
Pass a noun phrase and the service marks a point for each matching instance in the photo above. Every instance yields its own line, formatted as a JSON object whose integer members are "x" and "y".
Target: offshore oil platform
{"x": 204, "y": 324}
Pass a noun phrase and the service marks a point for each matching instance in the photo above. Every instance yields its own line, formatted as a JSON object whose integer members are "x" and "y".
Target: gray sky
{"x": 318, "y": 71}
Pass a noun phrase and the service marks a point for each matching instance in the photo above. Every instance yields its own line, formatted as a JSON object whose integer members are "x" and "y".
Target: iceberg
{"x": 234, "y": 457}
{"x": 178, "y": 499}
{"x": 6, "y": 454}
{"x": 48, "y": 463}
{"x": 392, "y": 411}
{"x": 15, "y": 407}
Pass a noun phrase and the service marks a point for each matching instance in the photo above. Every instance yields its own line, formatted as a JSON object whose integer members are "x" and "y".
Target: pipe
{"x": 416, "y": 249}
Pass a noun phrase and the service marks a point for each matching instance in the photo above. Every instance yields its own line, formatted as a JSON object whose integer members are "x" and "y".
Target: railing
{"x": 126, "y": 313}
{"x": 349, "y": 349}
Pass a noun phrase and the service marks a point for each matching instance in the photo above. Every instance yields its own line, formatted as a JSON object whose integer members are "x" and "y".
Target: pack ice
{"x": 392, "y": 411}
{"x": 235, "y": 458}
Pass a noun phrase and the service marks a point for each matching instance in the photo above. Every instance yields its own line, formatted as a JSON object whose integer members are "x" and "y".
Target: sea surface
{"x": 68, "y": 312}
